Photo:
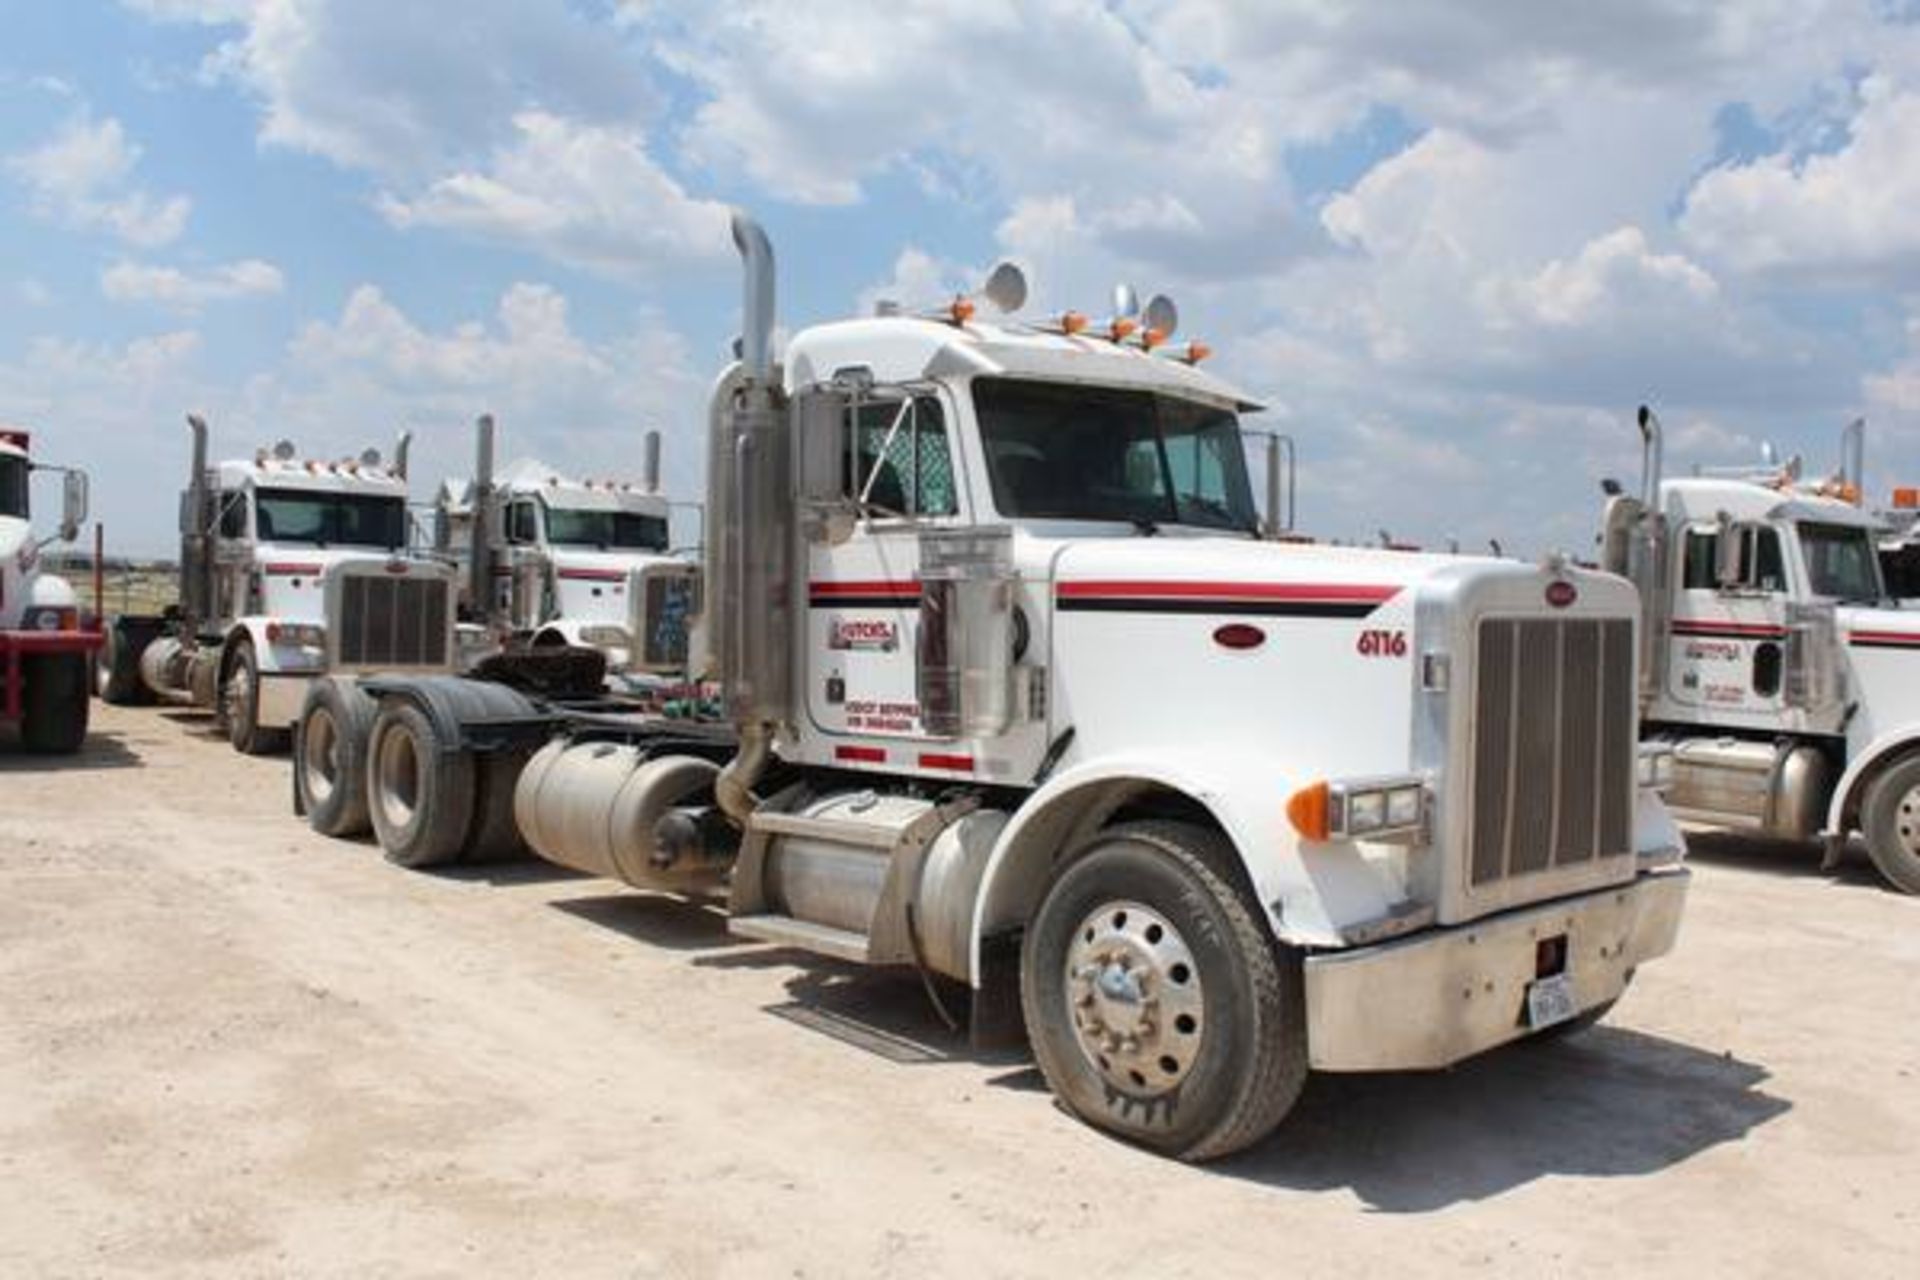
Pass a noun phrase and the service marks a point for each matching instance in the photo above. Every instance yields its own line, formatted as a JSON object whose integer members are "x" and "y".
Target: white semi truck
{"x": 289, "y": 568}
{"x": 570, "y": 562}
{"x": 1774, "y": 661}
{"x": 1016, "y": 695}
{"x": 45, "y": 651}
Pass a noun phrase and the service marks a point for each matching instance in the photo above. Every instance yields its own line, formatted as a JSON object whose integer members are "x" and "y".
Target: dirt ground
{"x": 230, "y": 1047}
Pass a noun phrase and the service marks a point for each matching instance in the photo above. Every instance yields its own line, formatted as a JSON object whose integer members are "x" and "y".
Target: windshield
{"x": 1101, "y": 453}
{"x": 1841, "y": 562}
{"x": 332, "y": 519}
{"x": 13, "y": 486}
{"x": 606, "y": 530}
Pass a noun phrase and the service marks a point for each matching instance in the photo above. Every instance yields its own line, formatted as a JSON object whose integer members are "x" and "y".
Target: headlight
{"x": 1362, "y": 809}
{"x": 301, "y": 635}
{"x": 604, "y": 636}
{"x": 1654, "y": 769}
{"x": 48, "y": 617}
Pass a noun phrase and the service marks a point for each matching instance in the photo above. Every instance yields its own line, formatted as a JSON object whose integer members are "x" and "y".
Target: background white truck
{"x": 569, "y": 562}
{"x": 1017, "y": 696}
{"x": 1774, "y": 662}
{"x": 45, "y": 652}
{"x": 289, "y": 568}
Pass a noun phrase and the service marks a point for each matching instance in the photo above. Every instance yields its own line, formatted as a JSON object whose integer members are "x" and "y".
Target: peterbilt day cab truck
{"x": 45, "y": 651}
{"x": 1774, "y": 662}
{"x": 289, "y": 568}
{"x": 1016, "y": 695}
{"x": 570, "y": 562}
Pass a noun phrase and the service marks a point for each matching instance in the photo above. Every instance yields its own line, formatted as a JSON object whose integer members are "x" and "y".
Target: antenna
{"x": 1006, "y": 288}
{"x": 1162, "y": 316}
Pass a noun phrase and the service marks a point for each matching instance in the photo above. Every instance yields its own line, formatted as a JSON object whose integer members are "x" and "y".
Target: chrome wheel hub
{"x": 1906, "y": 821}
{"x": 398, "y": 776}
{"x": 1135, "y": 997}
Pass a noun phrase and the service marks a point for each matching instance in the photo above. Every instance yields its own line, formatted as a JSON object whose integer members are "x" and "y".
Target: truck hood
{"x": 1216, "y": 573}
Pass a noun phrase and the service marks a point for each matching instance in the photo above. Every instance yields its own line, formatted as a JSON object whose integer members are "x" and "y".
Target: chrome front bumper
{"x": 1437, "y": 997}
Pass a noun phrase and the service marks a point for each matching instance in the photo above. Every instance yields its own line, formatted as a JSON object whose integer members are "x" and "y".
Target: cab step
{"x": 841, "y": 944}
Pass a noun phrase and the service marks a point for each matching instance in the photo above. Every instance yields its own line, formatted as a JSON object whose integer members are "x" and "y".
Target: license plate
{"x": 1550, "y": 1001}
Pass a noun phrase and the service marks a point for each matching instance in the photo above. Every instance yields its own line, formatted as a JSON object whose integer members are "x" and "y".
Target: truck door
{"x": 896, "y": 476}
{"x": 1728, "y": 641}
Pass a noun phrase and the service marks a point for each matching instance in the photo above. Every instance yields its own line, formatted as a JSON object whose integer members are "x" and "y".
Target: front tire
{"x": 240, "y": 706}
{"x": 1158, "y": 1005}
{"x": 419, "y": 797}
{"x": 1890, "y": 818}
{"x": 54, "y": 705}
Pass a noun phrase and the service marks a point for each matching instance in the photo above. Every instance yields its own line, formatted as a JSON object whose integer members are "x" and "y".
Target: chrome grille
{"x": 1553, "y": 759}
{"x": 391, "y": 621}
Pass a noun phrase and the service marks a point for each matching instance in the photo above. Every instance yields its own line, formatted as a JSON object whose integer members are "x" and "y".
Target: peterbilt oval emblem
{"x": 1560, "y": 594}
{"x": 396, "y": 567}
{"x": 1239, "y": 635}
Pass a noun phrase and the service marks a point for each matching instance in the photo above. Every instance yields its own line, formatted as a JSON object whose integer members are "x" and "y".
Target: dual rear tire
{"x": 384, "y": 767}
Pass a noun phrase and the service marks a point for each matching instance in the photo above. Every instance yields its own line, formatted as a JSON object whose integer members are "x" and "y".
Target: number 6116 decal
{"x": 1375, "y": 643}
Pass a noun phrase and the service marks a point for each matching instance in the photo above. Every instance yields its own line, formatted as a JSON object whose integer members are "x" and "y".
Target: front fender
{"x": 1308, "y": 891}
{"x": 270, "y": 658}
{"x": 1862, "y": 765}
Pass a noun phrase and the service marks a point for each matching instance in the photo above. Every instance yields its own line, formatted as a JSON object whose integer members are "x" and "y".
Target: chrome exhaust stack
{"x": 1853, "y": 456}
{"x": 401, "y": 447}
{"x": 650, "y": 462}
{"x": 480, "y": 532}
{"x": 197, "y": 521}
{"x": 750, "y": 502}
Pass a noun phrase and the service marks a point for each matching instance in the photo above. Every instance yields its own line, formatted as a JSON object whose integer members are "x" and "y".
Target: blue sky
{"x": 1453, "y": 244}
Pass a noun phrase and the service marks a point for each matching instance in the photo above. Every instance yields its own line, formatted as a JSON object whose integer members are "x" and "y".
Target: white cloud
{"x": 1615, "y": 276}
{"x": 583, "y": 194}
{"x": 32, "y": 293}
{"x": 1845, "y": 213}
{"x": 190, "y": 291}
{"x": 82, "y": 177}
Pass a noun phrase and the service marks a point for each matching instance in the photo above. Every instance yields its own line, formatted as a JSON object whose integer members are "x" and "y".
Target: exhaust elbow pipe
{"x": 733, "y": 788}
{"x": 400, "y": 448}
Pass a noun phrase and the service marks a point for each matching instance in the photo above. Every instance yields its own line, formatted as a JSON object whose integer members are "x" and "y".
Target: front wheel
{"x": 1891, "y": 819}
{"x": 240, "y": 706}
{"x": 1158, "y": 1006}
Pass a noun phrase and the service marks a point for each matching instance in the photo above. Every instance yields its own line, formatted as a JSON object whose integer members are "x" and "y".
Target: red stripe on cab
{"x": 1363, "y": 593}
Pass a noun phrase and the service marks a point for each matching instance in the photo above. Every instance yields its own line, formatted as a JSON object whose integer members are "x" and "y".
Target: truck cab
{"x": 572, "y": 560}
{"x": 290, "y": 567}
{"x": 1020, "y": 697}
{"x": 1781, "y": 669}
{"x": 45, "y": 650}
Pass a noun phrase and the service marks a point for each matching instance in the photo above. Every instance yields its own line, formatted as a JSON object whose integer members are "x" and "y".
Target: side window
{"x": 1762, "y": 566}
{"x": 901, "y": 462}
{"x": 233, "y": 514}
{"x": 523, "y": 524}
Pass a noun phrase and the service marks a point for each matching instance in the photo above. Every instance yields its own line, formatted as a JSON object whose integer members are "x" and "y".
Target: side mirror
{"x": 1726, "y": 558}
{"x": 73, "y": 505}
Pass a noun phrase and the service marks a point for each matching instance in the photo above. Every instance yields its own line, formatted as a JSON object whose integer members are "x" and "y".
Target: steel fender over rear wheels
{"x": 496, "y": 835}
{"x": 1891, "y": 819}
{"x": 54, "y": 704}
{"x": 330, "y": 767}
{"x": 1158, "y": 1005}
{"x": 419, "y": 796}
{"x": 240, "y": 706}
